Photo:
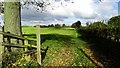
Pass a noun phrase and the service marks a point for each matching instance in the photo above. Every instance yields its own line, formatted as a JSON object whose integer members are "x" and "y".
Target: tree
{"x": 97, "y": 24}
{"x": 76, "y": 25}
{"x": 50, "y": 25}
{"x": 114, "y": 21}
{"x": 12, "y": 17}
{"x": 57, "y": 26}
{"x": 63, "y": 25}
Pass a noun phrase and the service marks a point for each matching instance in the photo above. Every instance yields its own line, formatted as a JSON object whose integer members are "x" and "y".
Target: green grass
{"x": 29, "y": 30}
{"x": 63, "y": 46}
{"x": 62, "y": 31}
{"x": 49, "y": 35}
{"x": 63, "y": 56}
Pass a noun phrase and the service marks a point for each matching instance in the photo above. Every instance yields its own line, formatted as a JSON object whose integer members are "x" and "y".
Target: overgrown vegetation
{"x": 76, "y": 25}
{"x": 105, "y": 40}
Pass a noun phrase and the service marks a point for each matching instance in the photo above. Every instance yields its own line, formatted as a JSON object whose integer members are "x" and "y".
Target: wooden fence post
{"x": 25, "y": 43}
{"x": 38, "y": 45}
{"x": 1, "y": 36}
{"x": 1, "y": 47}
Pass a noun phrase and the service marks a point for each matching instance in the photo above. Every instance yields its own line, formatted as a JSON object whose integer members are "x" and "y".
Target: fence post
{"x": 25, "y": 43}
{"x": 1, "y": 47}
{"x": 1, "y": 36}
{"x": 38, "y": 45}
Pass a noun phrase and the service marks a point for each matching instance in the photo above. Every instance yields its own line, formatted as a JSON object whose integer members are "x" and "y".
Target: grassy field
{"x": 63, "y": 46}
{"x": 62, "y": 31}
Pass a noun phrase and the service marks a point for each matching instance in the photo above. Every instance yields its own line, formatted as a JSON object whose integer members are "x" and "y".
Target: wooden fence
{"x": 5, "y": 42}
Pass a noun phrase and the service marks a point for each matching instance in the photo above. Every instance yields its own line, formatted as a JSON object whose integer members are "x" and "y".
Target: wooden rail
{"x": 5, "y": 34}
{"x": 13, "y": 45}
{"x": 27, "y": 47}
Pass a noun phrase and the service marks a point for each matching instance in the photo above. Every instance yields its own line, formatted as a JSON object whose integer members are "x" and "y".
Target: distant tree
{"x": 63, "y": 25}
{"x": 73, "y": 25}
{"x": 50, "y": 25}
{"x": 114, "y": 21}
{"x": 43, "y": 26}
{"x": 76, "y": 25}
{"x": 57, "y": 26}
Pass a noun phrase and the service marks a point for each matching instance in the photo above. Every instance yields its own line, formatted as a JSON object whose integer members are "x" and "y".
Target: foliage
{"x": 100, "y": 31}
{"x": 50, "y": 25}
{"x": 76, "y": 25}
{"x": 42, "y": 4}
{"x": 114, "y": 22}
{"x": 105, "y": 40}
{"x": 97, "y": 25}
{"x": 43, "y": 26}
{"x": 9, "y": 58}
{"x": 57, "y": 26}
{"x": 63, "y": 25}
{"x": 21, "y": 63}
{"x": 18, "y": 60}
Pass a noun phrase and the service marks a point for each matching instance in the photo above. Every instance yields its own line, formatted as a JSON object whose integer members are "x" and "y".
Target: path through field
{"x": 63, "y": 47}
{"x": 66, "y": 56}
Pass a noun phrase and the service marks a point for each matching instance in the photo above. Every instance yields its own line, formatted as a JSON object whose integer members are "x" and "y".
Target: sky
{"x": 68, "y": 13}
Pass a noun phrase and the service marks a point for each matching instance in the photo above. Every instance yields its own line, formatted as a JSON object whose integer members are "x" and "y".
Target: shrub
{"x": 57, "y": 26}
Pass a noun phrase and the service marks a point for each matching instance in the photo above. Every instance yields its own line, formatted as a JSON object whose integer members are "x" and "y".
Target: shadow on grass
{"x": 45, "y": 37}
{"x": 107, "y": 52}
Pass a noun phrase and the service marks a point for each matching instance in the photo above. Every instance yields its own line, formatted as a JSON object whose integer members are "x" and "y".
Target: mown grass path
{"x": 63, "y": 56}
{"x": 63, "y": 46}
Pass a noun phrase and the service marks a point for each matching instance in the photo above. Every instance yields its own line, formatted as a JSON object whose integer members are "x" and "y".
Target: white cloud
{"x": 110, "y": 0}
{"x": 106, "y": 10}
{"x": 80, "y": 9}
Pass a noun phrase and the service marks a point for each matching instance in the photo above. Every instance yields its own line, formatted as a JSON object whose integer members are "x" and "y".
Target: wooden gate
{"x": 7, "y": 44}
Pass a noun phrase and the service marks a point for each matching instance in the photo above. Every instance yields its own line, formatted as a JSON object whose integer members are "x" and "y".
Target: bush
{"x": 76, "y": 25}
{"x": 63, "y": 25}
{"x": 57, "y": 26}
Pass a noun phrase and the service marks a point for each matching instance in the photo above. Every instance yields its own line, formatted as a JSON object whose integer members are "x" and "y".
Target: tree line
{"x": 53, "y": 25}
{"x": 75, "y": 25}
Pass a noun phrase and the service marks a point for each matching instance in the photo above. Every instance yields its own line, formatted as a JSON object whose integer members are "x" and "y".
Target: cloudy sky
{"x": 83, "y": 10}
